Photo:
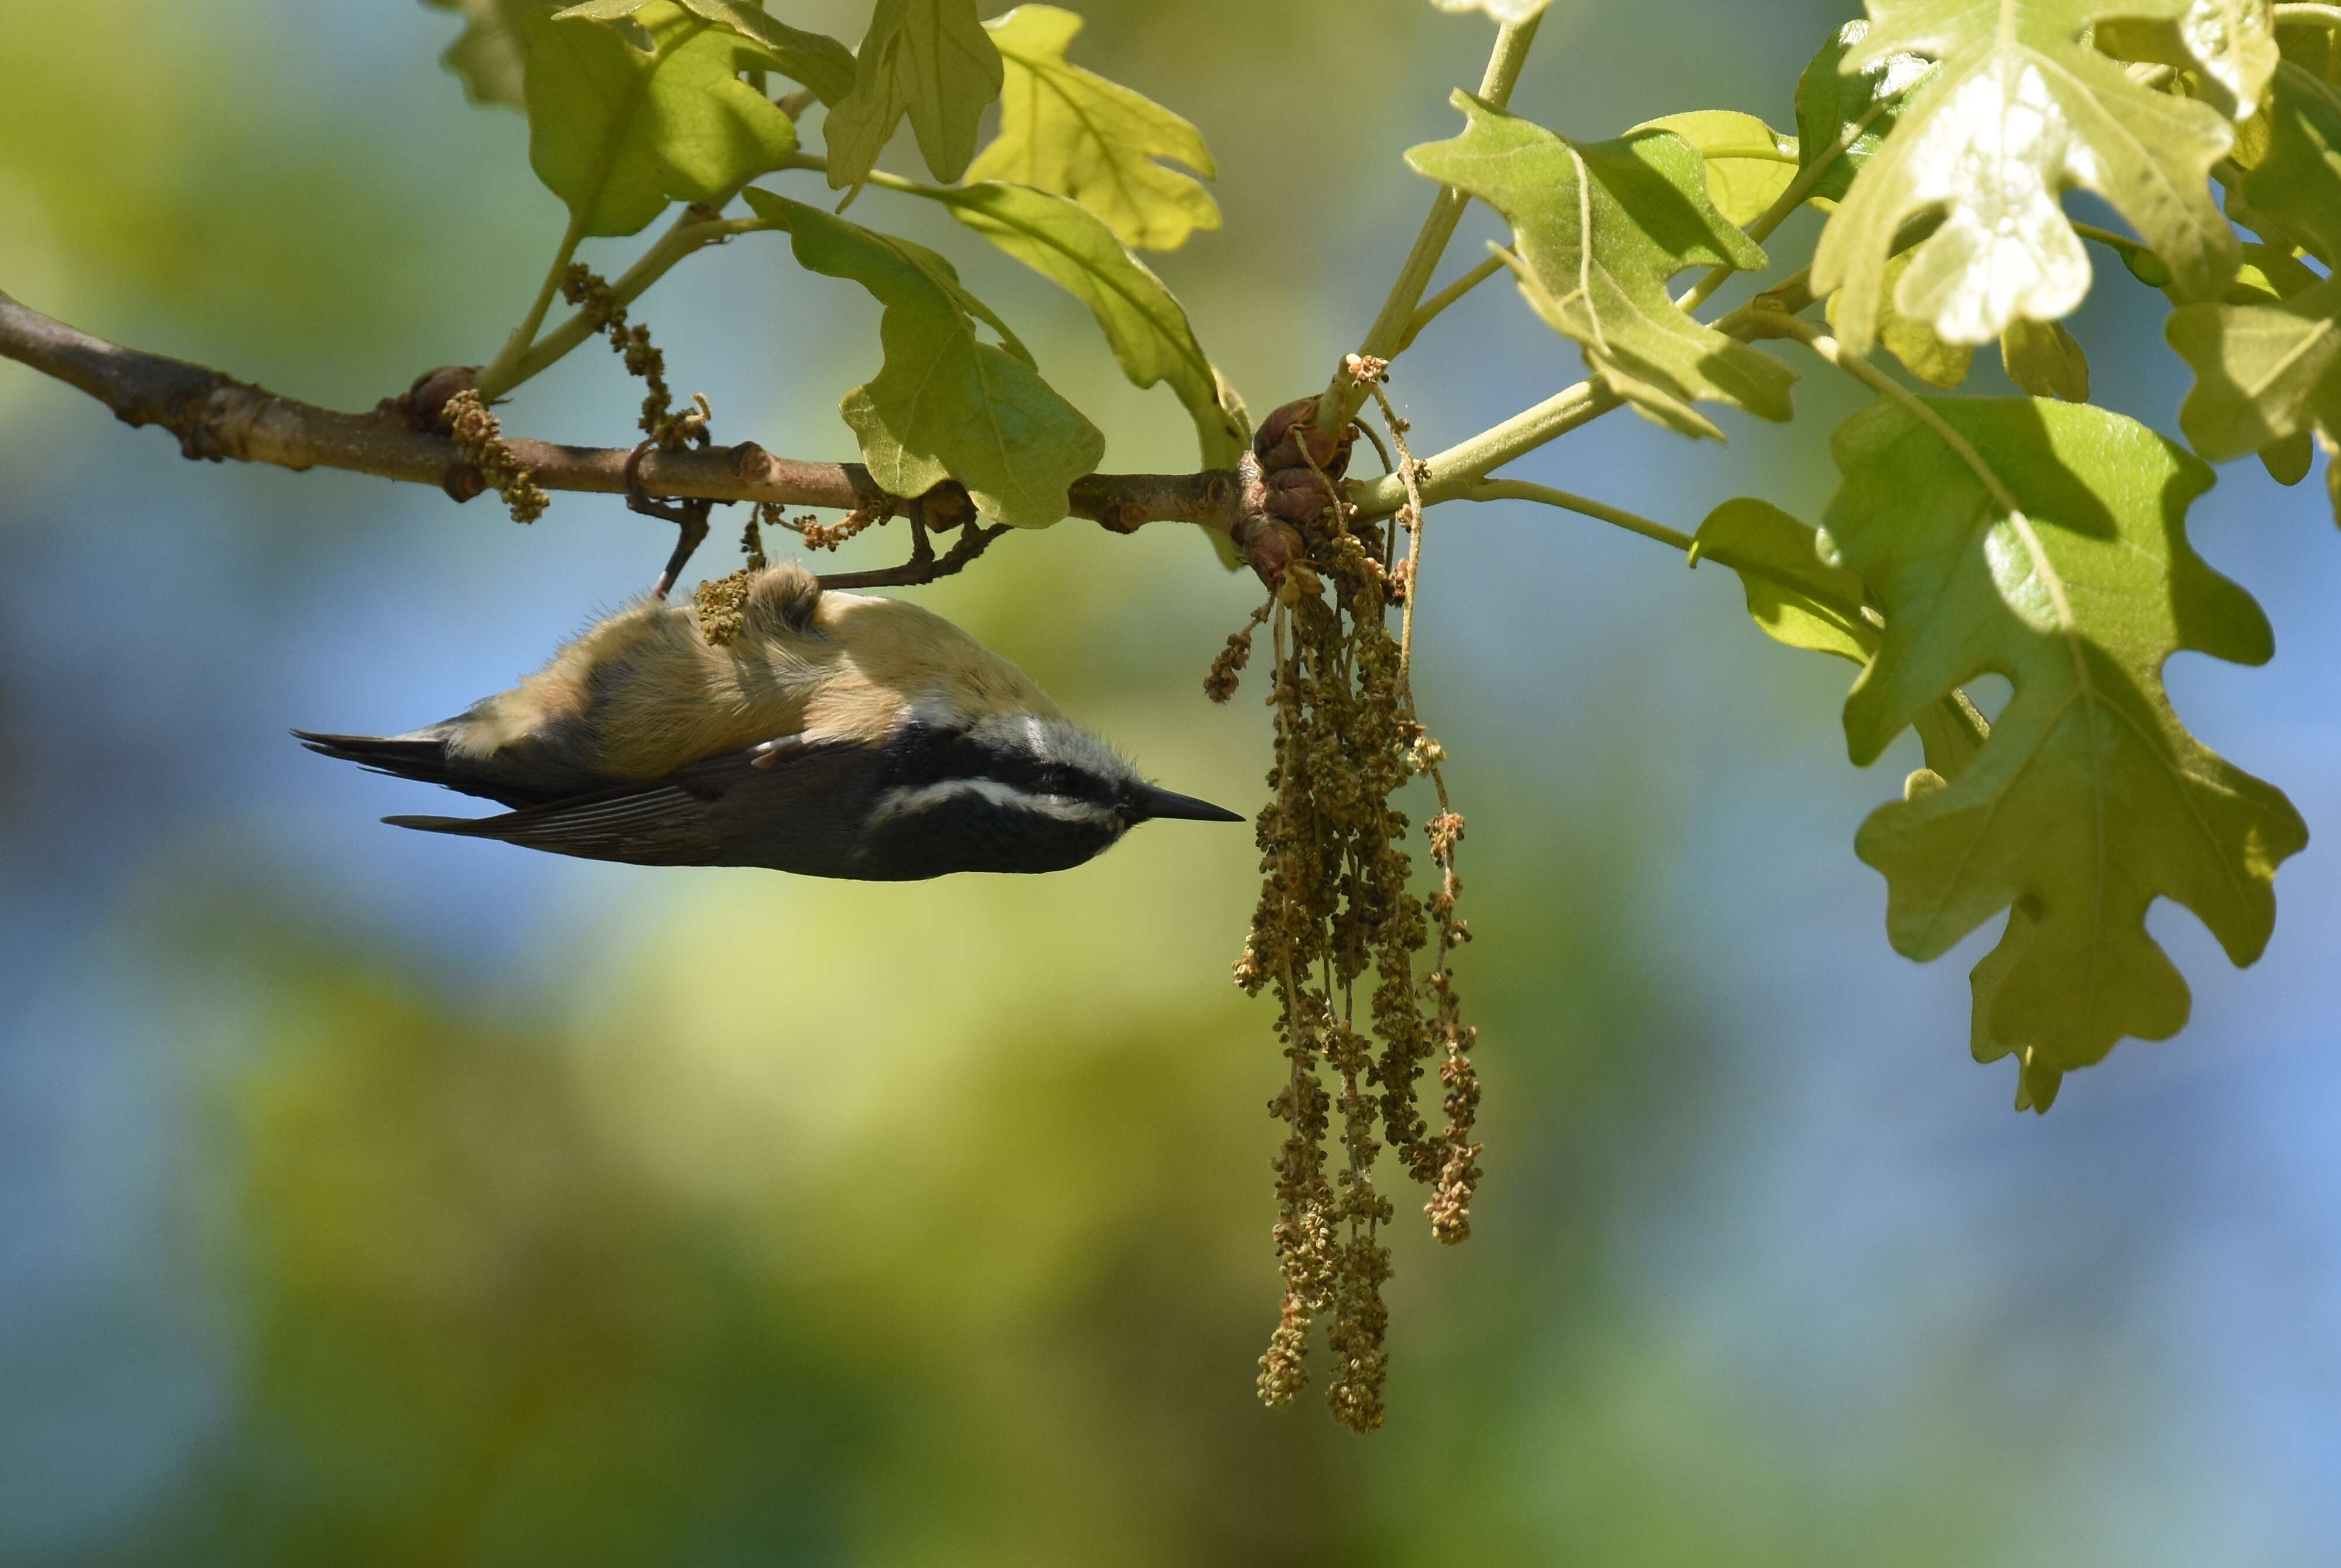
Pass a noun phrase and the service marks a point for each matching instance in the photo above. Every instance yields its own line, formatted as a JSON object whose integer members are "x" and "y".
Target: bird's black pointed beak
{"x": 1146, "y": 802}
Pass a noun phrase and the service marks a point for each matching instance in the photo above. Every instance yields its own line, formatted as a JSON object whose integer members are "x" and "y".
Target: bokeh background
{"x": 367, "y": 1197}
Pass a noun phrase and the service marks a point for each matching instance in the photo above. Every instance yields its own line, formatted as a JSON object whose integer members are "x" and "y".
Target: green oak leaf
{"x": 1842, "y": 118}
{"x": 2287, "y": 461}
{"x": 488, "y": 54}
{"x": 2308, "y": 44}
{"x": 1922, "y": 349}
{"x": 2269, "y": 272}
{"x": 1071, "y": 130}
{"x": 1599, "y": 229}
{"x": 821, "y": 63}
{"x": 1147, "y": 328}
{"x": 2297, "y": 186}
{"x": 1799, "y": 599}
{"x": 1794, "y": 597}
{"x": 2263, "y": 362}
{"x": 2022, "y": 108}
{"x": 1748, "y": 164}
{"x": 944, "y": 405}
{"x": 617, "y": 132}
{"x": 2138, "y": 262}
{"x": 929, "y": 59}
{"x": 2228, "y": 47}
{"x": 2262, "y": 372}
{"x": 2045, "y": 360}
{"x": 2035, "y": 1081}
{"x": 2057, "y": 558}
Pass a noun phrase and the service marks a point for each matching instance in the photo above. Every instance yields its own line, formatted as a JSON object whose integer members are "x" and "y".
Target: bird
{"x": 835, "y": 734}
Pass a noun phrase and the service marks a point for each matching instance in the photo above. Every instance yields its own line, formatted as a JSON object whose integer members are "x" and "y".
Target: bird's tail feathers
{"x": 422, "y": 756}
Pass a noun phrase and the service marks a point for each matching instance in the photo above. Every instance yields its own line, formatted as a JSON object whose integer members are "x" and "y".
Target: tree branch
{"x": 216, "y": 417}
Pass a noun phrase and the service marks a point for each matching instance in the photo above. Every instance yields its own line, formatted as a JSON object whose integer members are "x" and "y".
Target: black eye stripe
{"x": 918, "y": 755}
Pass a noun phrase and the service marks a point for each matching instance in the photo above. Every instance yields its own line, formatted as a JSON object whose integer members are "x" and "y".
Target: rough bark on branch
{"x": 216, "y": 416}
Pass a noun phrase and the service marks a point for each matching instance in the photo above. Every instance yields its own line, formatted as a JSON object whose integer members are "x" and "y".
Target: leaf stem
{"x": 1445, "y": 297}
{"x": 1450, "y": 474}
{"x": 2309, "y": 15}
{"x": 1344, "y": 396}
{"x": 1585, "y": 506}
{"x": 2105, "y": 237}
{"x": 690, "y": 233}
{"x": 1790, "y": 198}
{"x": 1673, "y": 538}
{"x": 504, "y": 373}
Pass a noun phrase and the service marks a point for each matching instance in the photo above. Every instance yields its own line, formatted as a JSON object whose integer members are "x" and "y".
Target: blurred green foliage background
{"x": 369, "y": 1198}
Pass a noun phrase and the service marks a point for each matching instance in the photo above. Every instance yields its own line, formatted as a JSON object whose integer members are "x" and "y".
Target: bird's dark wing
{"x": 792, "y": 807}
{"x": 528, "y": 773}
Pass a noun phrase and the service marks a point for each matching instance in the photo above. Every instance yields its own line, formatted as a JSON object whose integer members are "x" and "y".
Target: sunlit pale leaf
{"x": 1510, "y": 12}
{"x": 2045, "y": 360}
{"x": 618, "y": 132}
{"x": 1071, "y": 130}
{"x": 929, "y": 59}
{"x": 489, "y": 55}
{"x": 2090, "y": 800}
{"x": 822, "y": 64}
{"x": 1149, "y": 330}
{"x": 2228, "y": 46}
{"x": 1598, "y": 230}
{"x": 945, "y": 405}
{"x": 2023, "y": 109}
{"x": 1842, "y": 118}
{"x": 1748, "y": 164}
{"x": 1922, "y": 349}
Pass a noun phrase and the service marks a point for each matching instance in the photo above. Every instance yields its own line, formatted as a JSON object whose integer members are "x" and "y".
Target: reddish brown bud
{"x": 1269, "y": 546}
{"x": 423, "y": 405}
{"x": 462, "y": 480}
{"x": 946, "y": 507}
{"x": 1289, "y": 438}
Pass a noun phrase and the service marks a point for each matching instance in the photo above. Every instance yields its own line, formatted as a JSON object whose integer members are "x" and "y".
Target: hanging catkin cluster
{"x": 1336, "y": 916}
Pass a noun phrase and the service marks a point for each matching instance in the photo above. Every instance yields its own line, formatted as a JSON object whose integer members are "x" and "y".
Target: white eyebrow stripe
{"x": 894, "y": 802}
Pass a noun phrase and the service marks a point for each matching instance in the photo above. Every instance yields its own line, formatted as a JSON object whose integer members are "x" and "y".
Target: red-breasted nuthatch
{"x": 836, "y": 735}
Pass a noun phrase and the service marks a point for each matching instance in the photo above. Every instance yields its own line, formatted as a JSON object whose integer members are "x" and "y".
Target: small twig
{"x": 689, "y": 517}
{"x": 1429, "y": 309}
{"x": 1344, "y": 397}
{"x": 1790, "y": 198}
{"x": 925, "y": 566}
